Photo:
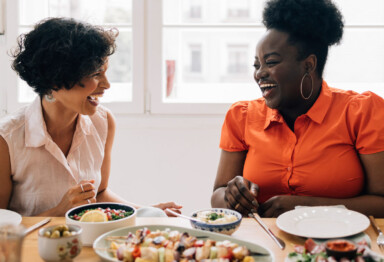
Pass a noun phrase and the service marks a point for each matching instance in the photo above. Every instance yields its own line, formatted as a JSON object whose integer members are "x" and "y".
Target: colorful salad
{"x": 112, "y": 214}
{"x": 312, "y": 252}
{"x": 172, "y": 245}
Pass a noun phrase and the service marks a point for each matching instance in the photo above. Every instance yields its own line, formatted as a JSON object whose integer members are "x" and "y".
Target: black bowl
{"x": 101, "y": 205}
{"x": 341, "y": 248}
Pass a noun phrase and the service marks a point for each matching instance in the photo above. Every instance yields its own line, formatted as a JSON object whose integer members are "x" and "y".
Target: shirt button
{"x": 289, "y": 168}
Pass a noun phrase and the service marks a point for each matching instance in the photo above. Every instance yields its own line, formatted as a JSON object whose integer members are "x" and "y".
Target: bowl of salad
{"x": 98, "y": 218}
{"x": 219, "y": 220}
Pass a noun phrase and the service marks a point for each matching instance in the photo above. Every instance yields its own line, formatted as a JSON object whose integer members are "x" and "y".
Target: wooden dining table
{"x": 249, "y": 230}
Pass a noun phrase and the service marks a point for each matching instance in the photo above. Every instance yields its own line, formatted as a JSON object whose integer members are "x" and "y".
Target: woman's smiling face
{"x": 277, "y": 70}
{"x": 83, "y": 97}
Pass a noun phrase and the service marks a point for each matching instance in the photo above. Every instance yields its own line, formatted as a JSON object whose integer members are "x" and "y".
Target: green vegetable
{"x": 213, "y": 216}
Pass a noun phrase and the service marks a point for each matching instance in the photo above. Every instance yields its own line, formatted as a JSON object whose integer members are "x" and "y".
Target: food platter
{"x": 101, "y": 244}
{"x": 322, "y": 222}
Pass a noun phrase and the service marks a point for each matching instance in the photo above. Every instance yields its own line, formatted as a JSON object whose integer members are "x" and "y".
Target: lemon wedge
{"x": 94, "y": 216}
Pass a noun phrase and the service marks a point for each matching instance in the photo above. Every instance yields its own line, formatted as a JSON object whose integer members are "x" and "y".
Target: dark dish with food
{"x": 341, "y": 248}
{"x": 333, "y": 250}
{"x": 110, "y": 214}
{"x": 100, "y": 212}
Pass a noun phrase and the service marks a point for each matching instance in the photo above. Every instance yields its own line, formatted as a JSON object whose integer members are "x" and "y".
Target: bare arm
{"x": 370, "y": 202}
{"x": 231, "y": 190}
{"x": 5, "y": 174}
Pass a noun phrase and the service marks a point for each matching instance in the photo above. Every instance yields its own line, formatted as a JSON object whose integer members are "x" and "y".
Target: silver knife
{"x": 278, "y": 241}
{"x": 37, "y": 225}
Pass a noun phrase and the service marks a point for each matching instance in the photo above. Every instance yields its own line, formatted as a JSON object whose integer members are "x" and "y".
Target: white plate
{"x": 101, "y": 245}
{"x": 322, "y": 222}
{"x": 9, "y": 217}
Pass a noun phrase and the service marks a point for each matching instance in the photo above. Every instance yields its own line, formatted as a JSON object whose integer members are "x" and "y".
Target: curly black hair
{"x": 59, "y": 52}
{"x": 312, "y": 25}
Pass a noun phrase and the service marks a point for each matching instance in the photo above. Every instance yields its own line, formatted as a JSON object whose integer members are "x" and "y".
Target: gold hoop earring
{"x": 50, "y": 98}
{"x": 301, "y": 86}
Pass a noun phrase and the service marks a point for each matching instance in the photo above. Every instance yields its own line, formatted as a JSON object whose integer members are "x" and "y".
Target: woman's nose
{"x": 105, "y": 84}
{"x": 261, "y": 73}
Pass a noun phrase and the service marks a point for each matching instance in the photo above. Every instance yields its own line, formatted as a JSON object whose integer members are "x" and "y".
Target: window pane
{"x": 108, "y": 13}
{"x": 212, "y": 11}
{"x": 350, "y": 66}
{"x": 92, "y": 11}
{"x": 120, "y": 69}
{"x": 209, "y": 65}
{"x": 357, "y": 12}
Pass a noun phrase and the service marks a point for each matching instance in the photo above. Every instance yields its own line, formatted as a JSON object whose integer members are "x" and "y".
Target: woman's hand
{"x": 240, "y": 195}
{"x": 170, "y": 205}
{"x": 80, "y": 194}
{"x": 277, "y": 205}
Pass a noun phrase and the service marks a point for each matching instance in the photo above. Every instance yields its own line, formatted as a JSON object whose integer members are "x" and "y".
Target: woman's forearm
{"x": 366, "y": 204}
{"x": 217, "y": 199}
{"x": 108, "y": 196}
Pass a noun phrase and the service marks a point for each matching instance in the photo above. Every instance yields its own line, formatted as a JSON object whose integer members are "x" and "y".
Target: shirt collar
{"x": 36, "y": 133}
{"x": 317, "y": 112}
{"x": 320, "y": 108}
{"x": 272, "y": 116}
{"x": 35, "y": 128}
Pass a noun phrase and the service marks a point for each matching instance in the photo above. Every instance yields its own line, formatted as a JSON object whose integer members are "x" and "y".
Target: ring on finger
{"x": 237, "y": 205}
{"x": 89, "y": 201}
{"x": 82, "y": 188}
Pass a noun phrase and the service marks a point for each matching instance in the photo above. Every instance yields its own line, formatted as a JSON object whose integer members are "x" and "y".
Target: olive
{"x": 55, "y": 234}
{"x": 47, "y": 233}
{"x": 61, "y": 228}
{"x": 66, "y": 233}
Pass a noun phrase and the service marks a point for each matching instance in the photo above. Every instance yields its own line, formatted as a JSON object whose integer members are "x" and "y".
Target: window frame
{"x": 155, "y": 80}
{"x": 148, "y": 92}
{"x": 136, "y": 106}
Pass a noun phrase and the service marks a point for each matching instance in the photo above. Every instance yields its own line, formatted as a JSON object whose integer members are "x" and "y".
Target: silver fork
{"x": 380, "y": 237}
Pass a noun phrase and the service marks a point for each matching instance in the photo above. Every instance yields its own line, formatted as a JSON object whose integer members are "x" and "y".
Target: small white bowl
{"x": 225, "y": 228}
{"x": 62, "y": 248}
{"x": 91, "y": 230}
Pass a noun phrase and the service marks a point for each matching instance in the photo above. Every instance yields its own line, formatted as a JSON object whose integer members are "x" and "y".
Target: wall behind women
{"x": 166, "y": 158}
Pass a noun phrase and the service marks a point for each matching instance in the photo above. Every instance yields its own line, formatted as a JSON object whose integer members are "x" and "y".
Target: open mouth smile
{"x": 266, "y": 89}
{"x": 94, "y": 99}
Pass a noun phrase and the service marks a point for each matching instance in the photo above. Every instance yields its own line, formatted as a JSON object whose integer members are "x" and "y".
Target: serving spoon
{"x": 182, "y": 216}
{"x": 37, "y": 225}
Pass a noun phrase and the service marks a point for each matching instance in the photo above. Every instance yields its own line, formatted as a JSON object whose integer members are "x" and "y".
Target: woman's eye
{"x": 256, "y": 66}
{"x": 271, "y": 63}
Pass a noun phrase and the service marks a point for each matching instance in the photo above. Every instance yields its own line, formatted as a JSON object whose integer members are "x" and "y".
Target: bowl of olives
{"x": 60, "y": 242}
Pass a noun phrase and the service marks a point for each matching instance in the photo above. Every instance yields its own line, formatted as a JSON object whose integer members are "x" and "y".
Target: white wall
{"x": 166, "y": 158}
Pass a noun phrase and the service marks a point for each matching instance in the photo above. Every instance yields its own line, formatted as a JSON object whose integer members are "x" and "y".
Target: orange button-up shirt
{"x": 321, "y": 157}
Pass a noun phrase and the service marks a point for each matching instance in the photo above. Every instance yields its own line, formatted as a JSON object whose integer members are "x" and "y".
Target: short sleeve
{"x": 366, "y": 114}
{"x": 232, "y": 132}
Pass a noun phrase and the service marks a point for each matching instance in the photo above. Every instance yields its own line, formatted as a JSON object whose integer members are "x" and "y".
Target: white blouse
{"x": 41, "y": 174}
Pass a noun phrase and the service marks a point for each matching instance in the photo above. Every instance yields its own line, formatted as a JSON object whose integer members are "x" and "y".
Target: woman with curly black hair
{"x": 304, "y": 143}
{"x": 56, "y": 153}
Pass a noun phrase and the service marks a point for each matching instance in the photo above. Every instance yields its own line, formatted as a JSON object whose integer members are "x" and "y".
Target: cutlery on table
{"x": 380, "y": 237}
{"x": 37, "y": 225}
{"x": 182, "y": 216}
{"x": 278, "y": 241}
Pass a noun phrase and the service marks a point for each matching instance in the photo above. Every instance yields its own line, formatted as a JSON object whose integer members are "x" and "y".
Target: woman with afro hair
{"x": 303, "y": 143}
{"x": 55, "y": 153}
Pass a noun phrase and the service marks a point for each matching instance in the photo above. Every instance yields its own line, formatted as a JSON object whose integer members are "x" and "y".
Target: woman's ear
{"x": 310, "y": 63}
